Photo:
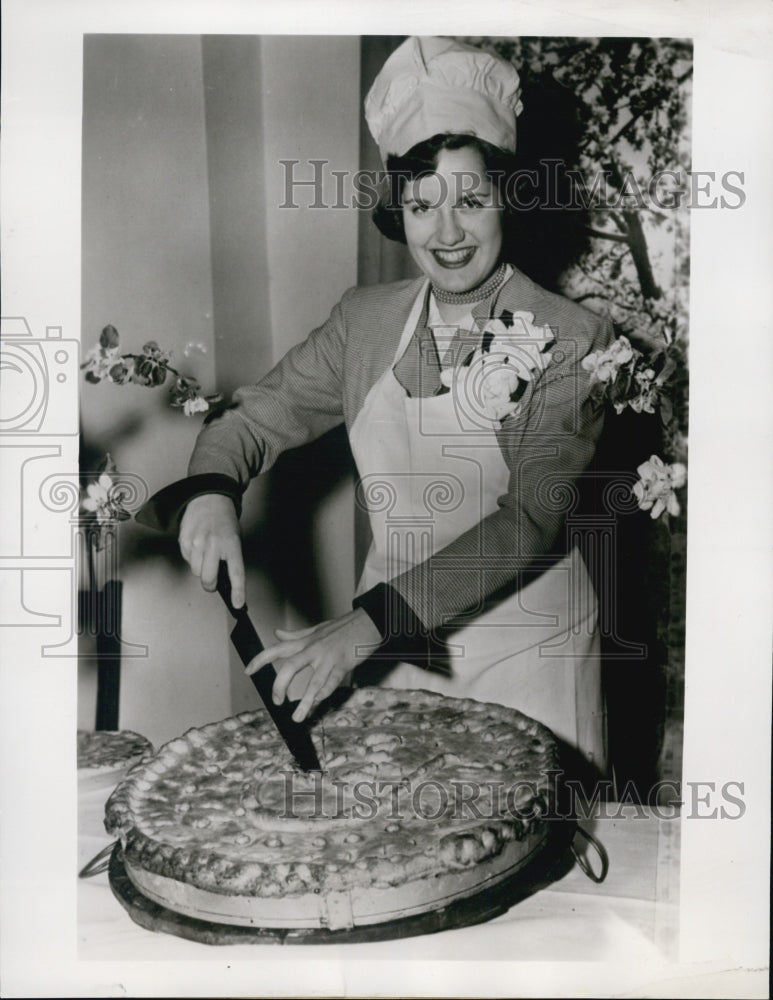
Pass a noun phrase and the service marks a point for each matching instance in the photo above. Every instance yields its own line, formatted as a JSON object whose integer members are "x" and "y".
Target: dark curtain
{"x": 379, "y": 259}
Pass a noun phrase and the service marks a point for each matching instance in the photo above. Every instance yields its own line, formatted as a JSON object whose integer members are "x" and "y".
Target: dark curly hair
{"x": 422, "y": 159}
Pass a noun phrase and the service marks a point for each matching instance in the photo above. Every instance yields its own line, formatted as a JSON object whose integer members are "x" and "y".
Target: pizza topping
{"x": 381, "y": 738}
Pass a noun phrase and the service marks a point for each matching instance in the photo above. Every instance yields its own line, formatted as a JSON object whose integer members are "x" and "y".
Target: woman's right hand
{"x": 209, "y": 534}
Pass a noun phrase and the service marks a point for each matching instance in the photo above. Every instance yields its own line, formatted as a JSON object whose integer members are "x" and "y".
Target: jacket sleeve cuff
{"x": 165, "y": 508}
{"x": 404, "y": 637}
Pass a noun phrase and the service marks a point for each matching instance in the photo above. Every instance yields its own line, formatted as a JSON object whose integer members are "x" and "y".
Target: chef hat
{"x": 436, "y": 85}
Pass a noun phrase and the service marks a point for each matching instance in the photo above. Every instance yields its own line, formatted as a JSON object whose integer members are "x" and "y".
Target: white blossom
{"x": 655, "y": 490}
{"x": 605, "y": 365}
{"x": 102, "y": 500}
{"x": 197, "y": 404}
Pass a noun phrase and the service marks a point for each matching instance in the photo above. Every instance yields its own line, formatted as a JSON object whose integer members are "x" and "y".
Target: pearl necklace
{"x": 474, "y": 294}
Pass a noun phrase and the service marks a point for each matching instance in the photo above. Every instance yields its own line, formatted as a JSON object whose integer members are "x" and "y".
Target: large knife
{"x": 248, "y": 645}
{"x": 162, "y": 511}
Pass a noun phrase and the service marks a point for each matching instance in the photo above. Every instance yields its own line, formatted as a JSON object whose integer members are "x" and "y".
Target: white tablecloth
{"x": 632, "y": 915}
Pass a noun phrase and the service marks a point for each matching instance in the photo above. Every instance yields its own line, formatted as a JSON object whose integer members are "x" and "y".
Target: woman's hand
{"x": 332, "y": 649}
{"x": 209, "y": 533}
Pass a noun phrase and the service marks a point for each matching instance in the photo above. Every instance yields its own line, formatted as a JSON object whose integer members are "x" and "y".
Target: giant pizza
{"x": 423, "y": 801}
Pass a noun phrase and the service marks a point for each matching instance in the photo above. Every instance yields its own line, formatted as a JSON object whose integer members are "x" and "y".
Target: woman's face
{"x": 453, "y": 221}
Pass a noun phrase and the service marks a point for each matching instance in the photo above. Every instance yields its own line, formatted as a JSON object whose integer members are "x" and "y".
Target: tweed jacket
{"x": 324, "y": 381}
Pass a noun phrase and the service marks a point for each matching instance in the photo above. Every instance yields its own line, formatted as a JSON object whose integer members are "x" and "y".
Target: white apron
{"x": 426, "y": 476}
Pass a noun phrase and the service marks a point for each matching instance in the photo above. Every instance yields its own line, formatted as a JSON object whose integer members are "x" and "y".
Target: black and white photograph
{"x": 386, "y": 533}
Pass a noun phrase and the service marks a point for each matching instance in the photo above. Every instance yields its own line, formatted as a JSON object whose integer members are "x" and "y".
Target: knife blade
{"x": 162, "y": 511}
{"x": 247, "y": 644}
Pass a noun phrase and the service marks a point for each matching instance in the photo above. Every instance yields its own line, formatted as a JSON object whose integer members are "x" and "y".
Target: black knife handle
{"x": 224, "y": 589}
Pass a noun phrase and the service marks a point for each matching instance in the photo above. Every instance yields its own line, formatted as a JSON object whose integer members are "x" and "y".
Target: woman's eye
{"x": 469, "y": 201}
{"x": 419, "y": 209}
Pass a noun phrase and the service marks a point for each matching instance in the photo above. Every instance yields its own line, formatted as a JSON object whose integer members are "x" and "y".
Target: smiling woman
{"x": 470, "y": 420}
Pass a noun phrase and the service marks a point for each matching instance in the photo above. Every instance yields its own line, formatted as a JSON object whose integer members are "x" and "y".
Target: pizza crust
{"x": 336, "y": 910}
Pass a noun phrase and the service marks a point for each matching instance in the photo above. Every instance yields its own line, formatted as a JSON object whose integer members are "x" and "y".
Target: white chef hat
{"x": 430, "y": 86}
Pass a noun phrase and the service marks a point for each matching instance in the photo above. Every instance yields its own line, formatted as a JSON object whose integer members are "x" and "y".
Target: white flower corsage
{"x": 513, "y": 350}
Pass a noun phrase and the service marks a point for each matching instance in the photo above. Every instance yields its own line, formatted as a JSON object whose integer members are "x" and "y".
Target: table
{"x": 632, "y": 915}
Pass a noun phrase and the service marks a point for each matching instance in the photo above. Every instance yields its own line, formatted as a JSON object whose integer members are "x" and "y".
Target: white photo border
{"x": 724, "y": 872}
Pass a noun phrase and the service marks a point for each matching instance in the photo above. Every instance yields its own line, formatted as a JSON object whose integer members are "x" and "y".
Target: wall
{"x": 184, "y": 242}
{"x": 271, "y": 99}
{"x": 146, "y": 270}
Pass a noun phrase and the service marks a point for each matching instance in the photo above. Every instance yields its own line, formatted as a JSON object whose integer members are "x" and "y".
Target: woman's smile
{"x": 453, "y": 221}
{"x": 454, "y": 258}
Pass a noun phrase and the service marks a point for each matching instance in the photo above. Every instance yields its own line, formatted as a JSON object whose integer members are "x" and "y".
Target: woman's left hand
{"x": 331, "y": 649}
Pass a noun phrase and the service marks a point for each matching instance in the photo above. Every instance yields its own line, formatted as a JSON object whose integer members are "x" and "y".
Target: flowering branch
{"x": 624, "y": 376}
{"x": 105, "y": 362}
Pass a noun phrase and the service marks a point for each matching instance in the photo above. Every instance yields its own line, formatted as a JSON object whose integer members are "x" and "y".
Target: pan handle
{"x": 583, "y": 861}
{"x": 99, "y": 863}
